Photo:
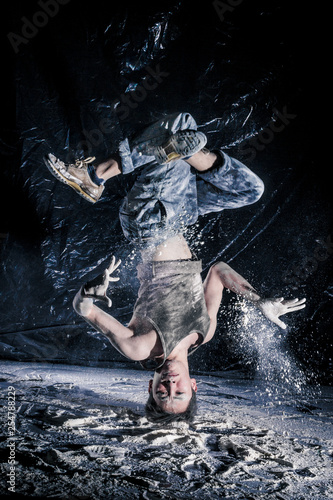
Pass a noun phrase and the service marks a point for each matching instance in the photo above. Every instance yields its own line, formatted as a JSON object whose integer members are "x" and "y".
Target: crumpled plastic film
{"x": 86, "y": 76}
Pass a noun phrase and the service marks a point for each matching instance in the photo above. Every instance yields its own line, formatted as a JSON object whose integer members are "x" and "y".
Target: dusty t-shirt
{"x": 171, "y": 298}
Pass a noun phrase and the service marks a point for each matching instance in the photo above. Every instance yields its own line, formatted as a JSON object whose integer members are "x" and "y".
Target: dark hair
{"x": 154, "y": 413}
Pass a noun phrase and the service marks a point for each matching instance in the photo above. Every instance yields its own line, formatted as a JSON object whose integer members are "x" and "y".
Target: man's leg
{"x": 162, "y": 201}
{"x": 172, "y": 137}
{"x": 108, "y": 169}
{"x": 227, "y": 184}
{"x": 203, "y": 160}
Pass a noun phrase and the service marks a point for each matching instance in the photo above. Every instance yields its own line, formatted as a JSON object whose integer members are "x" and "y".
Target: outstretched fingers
{"x": 113, "y": 264}
{"x": 294, "y": 304}
{"x": 112, "y": 267}
{"x": 274, "y": 308}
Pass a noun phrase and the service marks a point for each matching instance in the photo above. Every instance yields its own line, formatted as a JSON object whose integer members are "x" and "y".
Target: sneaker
{"x": 182, "y": 144}
{"x": 76, "y": 176}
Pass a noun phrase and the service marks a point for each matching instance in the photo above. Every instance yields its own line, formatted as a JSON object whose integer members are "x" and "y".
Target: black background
{"x": 233, "y": 69}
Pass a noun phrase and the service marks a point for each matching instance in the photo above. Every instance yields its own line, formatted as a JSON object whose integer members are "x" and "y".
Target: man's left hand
{"x": 274, "y": 308}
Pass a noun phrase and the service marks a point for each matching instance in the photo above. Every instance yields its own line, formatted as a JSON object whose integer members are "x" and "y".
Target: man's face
{"x": 172, "y": 387}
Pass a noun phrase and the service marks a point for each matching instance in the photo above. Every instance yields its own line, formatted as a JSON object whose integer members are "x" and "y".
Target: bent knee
{"x": 258, "y": 191}
{"x": 184, "y": 121}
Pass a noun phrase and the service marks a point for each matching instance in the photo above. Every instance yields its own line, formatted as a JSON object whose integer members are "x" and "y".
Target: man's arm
{"x": 120, "y": 336}
{"x": 221, "y": 276}
{"x": 213, "y": 290}
{"x": 272, "y": 308}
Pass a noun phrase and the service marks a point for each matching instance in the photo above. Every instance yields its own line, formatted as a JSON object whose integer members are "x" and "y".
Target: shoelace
{"x": 84, "y": 163}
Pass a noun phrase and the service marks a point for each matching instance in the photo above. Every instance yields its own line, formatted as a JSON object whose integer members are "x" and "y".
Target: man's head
{"x": 172, "y": 393}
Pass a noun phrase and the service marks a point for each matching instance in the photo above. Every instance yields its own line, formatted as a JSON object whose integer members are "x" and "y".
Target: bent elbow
{"x": 134, "y": 351}
{"x": 259, "y": 191}
{"x": 256, "y": 192}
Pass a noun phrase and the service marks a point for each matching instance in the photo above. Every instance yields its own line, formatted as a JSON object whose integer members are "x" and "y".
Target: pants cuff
{"x": 125, "y": 155}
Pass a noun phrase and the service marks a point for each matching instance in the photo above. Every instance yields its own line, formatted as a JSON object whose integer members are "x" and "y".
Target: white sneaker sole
{"x": 182, "y": 144}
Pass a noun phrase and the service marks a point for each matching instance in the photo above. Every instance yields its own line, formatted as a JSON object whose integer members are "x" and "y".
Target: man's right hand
{"x": 96, "y": 289}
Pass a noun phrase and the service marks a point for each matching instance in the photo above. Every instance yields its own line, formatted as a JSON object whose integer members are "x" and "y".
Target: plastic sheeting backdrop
{"x": 84, "y": 75}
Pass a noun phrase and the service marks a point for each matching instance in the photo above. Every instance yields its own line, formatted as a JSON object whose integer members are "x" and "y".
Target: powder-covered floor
{"x": 81, "y": 433}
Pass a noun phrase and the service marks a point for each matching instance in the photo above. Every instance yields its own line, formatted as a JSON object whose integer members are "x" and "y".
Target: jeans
{"x": 165, "y": 199}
